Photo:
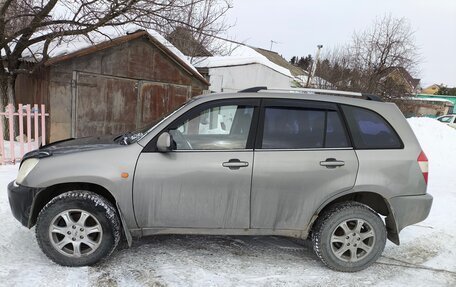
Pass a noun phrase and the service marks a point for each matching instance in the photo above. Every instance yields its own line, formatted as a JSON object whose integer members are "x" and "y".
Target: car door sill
{"x": 226, "y": 231}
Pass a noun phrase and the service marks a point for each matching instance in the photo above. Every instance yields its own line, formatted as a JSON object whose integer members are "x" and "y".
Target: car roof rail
{"x": 253, "y": 89}
{"x": 314, "y": 91}
{"x": 372, "y": 97}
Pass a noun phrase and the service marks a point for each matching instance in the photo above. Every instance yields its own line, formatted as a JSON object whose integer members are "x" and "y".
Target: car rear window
{"x": 369, "y": 130}
{"x": 296, "y": 128}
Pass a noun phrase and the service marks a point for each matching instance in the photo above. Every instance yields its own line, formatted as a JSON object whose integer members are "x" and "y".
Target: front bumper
{"x": 21, "y": 201}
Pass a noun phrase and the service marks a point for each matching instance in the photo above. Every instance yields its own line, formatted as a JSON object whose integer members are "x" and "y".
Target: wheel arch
{"x": 371, "y": 199}
{"x": 45, "y": 195}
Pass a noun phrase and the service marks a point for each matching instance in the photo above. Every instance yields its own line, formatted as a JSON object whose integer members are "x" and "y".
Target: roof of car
{"x": 293, "y": 95}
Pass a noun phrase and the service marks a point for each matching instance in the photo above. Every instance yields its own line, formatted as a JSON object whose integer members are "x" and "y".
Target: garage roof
{"x": 107, "y": 37}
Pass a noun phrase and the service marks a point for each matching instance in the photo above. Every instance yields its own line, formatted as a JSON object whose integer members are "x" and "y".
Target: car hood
{"x": 73, "y": 145}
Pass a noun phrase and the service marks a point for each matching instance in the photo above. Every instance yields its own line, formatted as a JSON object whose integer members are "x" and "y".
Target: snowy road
{"x": 426, "y": 257}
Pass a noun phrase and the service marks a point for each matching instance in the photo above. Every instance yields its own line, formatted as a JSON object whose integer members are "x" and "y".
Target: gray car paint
{"x": 192, "y": 189}
{"x": 163, "y": 206}
{"x": 287, "y": 189}
{"x": 97, "y": 166}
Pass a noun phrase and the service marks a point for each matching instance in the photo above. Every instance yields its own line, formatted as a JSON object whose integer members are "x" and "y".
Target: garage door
{"x": 111, "y": 105}
{"x": 104, "y": 105}
{"x": 158, "y": 99}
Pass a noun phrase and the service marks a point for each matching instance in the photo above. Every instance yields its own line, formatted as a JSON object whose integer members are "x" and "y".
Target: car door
{"x": 205, "y": 181}
{"x": 303, "y": 156}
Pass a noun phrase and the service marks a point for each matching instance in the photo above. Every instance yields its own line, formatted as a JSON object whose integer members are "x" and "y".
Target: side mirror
{"x": 165, "y": 142}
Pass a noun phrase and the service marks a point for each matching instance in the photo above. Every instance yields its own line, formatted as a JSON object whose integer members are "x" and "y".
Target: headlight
{"x": 26, "y": 168}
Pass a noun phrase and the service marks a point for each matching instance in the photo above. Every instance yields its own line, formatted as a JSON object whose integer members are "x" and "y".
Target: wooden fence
{"x": 29, "y": 119}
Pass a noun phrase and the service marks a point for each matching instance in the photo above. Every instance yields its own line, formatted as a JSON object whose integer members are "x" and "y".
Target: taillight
{"x": 424, "y": 165}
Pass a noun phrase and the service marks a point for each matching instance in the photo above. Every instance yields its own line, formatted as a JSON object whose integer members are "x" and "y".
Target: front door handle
{"x": 332, "y": 163}
{"x": 235, "y": 163}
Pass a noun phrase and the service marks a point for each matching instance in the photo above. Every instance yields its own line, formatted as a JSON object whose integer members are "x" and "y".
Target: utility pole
{"x": 314, "y": 66}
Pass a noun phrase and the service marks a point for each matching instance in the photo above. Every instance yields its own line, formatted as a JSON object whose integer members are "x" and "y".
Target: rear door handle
{"x": 235, "y": 163}
{"x": 332, "y": 163}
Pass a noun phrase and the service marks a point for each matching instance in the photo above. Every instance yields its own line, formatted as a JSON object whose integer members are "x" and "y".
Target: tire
{"x": 349, "y": 237}
{"x": 78, "y": 228}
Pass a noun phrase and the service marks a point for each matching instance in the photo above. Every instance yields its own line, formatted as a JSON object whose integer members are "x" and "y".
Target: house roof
{"x": 230, "y": 61}
{"x": 279, "y": 60}
{"x": 413, "y": 82}
{"x": 433, "y": 86}
{"x": 107, "y": 37}
{"x": 430, "y": 100}
{"x": 240, "y": 55}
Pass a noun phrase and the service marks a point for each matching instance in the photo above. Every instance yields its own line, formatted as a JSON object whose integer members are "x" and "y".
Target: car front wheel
{"x": 349, "y": 237}
{"x": 78, "y": 228}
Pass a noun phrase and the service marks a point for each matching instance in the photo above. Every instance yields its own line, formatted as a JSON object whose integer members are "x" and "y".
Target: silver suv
{"x": 345, "y": 172}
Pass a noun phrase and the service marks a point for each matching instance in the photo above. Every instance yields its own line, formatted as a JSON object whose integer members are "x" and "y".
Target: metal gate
{"x": 111, "y": 105}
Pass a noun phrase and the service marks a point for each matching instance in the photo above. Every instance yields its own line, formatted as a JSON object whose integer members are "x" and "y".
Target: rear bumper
{"x": 21, "y": 200}
{"x": 409, "y": 210}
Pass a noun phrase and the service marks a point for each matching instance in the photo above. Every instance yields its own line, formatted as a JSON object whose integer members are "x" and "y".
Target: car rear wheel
{"x": 78, "y": 228}
{"x": 349, "y": 237}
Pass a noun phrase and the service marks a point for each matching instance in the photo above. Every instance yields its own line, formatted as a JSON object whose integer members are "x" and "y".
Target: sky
{"x": 300, "y": 25}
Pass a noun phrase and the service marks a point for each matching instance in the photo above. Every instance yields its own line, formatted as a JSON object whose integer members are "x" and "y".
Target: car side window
{"x": 217, "y": 128}
{"x": 297, "y": 128}
{"x": 336, "y": 136}
{"x": 446, "y": 119}
{"x": 369, "y": 130}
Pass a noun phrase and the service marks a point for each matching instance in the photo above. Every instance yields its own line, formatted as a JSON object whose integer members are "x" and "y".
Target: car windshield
{"x": 134, "y": 136}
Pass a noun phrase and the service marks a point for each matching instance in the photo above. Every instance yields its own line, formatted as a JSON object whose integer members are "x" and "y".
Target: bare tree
{"x": 9, "y": 22}
{"x": 367, "y": 63}
{"x": 198, "y": 27}
{"x": 32, "y": 28}
{"x": 335, "y": 69}
{"x": 388, "y": 44}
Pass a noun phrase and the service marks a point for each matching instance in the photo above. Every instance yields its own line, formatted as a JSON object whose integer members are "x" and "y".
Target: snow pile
{"x": 432, "y": 242}
{"x": 438, "y": 142}
{"x": 426, "y": 256}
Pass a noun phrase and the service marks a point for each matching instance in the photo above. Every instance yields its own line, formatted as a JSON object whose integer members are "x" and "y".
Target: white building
{"x": 246, "y": 68}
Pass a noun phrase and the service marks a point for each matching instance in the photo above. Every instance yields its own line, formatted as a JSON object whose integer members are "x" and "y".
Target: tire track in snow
{"x": 406, "y": 264}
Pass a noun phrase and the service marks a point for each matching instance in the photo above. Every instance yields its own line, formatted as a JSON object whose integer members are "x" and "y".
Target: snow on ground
{"x": 426, "y": 257}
